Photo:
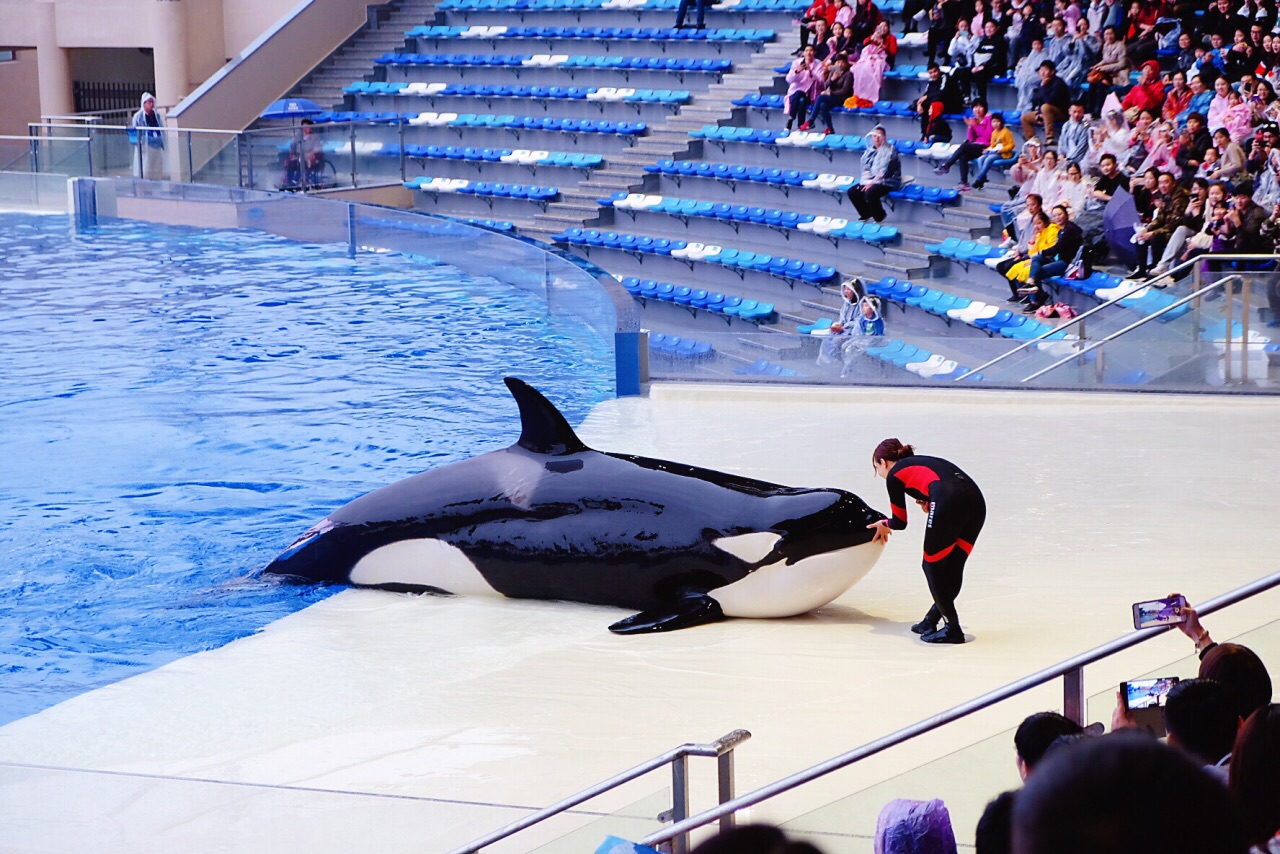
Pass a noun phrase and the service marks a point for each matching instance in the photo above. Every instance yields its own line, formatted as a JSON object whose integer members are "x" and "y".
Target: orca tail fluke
{"x": 694, "y": 609}
{"x": 543, "y": 429}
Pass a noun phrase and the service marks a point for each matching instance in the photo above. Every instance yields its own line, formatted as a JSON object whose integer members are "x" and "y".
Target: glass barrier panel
{"x": 967, "y": 779}
{"x": 28, "y": 191}
{"x": 633, "y": 822}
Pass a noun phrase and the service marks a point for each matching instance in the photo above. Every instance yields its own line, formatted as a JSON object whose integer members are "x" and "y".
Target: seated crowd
{"x": 1195, "y": 138}
{"x": 1211, "y": 787}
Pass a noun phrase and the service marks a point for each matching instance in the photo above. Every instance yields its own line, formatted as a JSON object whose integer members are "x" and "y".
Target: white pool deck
{"x": 431, "y": 721}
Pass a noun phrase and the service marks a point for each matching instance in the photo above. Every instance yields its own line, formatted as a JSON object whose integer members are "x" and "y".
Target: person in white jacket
{"x": 148, "y": 153}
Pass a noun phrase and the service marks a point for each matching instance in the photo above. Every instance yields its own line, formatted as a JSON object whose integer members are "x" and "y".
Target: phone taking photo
{"x": 1144, "y": 699}
{"x": 1159, "y": 612}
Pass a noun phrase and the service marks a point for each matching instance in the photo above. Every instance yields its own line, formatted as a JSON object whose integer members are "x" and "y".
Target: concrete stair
{"x": 353, "y": 60}
{"x": 664, "y": 140}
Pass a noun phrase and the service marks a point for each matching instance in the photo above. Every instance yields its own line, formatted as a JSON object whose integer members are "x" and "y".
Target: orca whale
{"x": 550, "y": 518}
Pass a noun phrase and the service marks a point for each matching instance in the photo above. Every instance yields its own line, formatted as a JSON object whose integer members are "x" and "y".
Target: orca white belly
{"x": 785, "y": 591}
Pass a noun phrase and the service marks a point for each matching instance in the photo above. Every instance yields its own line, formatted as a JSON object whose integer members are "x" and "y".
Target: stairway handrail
{"x": 1138, "y": 286}
{"x": 1064, "y": 669}
{"x": 720, "y": 748}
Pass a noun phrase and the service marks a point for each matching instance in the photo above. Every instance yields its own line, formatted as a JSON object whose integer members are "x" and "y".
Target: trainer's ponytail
{"x": 891, "y": 450}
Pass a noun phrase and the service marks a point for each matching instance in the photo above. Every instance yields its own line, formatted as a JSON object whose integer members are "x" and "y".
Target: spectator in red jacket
{"x": 1148, "y": 94}
{"x": 820, "y": 9}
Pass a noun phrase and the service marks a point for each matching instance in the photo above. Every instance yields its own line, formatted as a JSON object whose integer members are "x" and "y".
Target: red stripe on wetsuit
{"x": 915, "y": 480}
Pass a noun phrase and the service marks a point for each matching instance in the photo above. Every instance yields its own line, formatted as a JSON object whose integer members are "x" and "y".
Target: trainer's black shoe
{"x": 946, "y": 634}
{"x": 925, "y": 626}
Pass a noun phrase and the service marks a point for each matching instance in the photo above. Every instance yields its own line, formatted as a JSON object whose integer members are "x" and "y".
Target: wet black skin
{"x": 549, "y": 518}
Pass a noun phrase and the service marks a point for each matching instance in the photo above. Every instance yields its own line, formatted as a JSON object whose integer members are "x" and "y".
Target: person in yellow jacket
{"x": 1044, "y": 233}
{"x": 1000, "y": 148}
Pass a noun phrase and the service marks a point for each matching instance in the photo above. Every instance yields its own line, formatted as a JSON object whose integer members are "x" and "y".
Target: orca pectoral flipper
{"x": 691, "y": 609}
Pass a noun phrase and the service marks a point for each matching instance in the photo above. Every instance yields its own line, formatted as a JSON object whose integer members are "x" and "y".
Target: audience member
{"x": 914, "y": 827}
{"x": 1255, "y": 778}
{"x": 1170, "y": 204}
{"x": 1001, "y": 148}
{"x": 804, "y": 81}
{"x": 1193, "y": 219}
{"x": 940, "y": 96}
{"x": 977, "y": 140}
{"x": 1049, "y": 103}
{"x": 1121, "y": 793}
{"x": 994, "y": 834}
{"x": 1054, "y": 259}
{"x": 868, "y": 70}
{"x": 1035, "y": 734}
{"x": 1073, "y": 139}
{"x": 753, "y": 839}
{"x": 1200, "y": 718}
{"x": 838, "y": 89}
{"x": 1235, "y": 666}
{"x": 1112, "y": 179}
{"x": 990, "y": 58}
{"x": 1111, "y": 70}
{"x": 881, "y": 174}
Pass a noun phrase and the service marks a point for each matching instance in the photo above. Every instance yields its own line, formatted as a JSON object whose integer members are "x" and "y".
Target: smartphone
{"x": 1159, "y": 612}
{"x": 1144, "y": 700}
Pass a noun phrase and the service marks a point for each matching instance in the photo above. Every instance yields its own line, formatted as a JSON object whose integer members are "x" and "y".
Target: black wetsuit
{"x": 956, "y": 513}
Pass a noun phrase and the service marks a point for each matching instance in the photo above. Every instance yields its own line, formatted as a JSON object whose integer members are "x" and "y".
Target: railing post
{"x": 1244, "y": 327}
{"x": 1073, "y": 703}
{"x": 252, "y": 185}
{"x": 724, "y": 769}
{"x": 680, "y": 801}
{"x": 240, "y": 160}
{"x": 191, "y": 162}
{"x": 400, "y": 123}
{"x": 1228, "y": 303}
{"x": 353, "y": 154}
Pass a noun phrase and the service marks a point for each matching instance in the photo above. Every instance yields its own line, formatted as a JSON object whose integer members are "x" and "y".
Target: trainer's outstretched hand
{"x": 882, "y": 531}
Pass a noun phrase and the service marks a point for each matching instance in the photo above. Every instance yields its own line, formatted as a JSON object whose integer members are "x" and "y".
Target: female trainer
{"x": 956, "y": 512}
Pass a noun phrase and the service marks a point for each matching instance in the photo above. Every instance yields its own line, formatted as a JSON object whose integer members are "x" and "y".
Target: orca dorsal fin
{"x": 543, "y": 429}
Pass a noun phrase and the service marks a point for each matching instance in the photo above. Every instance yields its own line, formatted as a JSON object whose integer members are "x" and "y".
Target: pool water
{"x": 179, "y": 404}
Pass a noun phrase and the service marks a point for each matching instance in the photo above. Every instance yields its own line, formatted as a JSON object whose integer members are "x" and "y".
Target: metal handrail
{"x": 1173, "y": 306}
{"x": 1189, "y": 264}
{"x": 1071, "y": 670}
{"x": 722, "y": 748}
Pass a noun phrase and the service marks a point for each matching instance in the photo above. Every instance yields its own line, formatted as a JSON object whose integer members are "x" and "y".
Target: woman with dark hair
{"x": 1236, "y": 666}
{"x": 956, "y": 511}
{"x": 1255, "y": 778}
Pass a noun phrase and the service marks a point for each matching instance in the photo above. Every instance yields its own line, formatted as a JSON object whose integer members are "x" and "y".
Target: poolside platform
{"x": 391, "y": 722}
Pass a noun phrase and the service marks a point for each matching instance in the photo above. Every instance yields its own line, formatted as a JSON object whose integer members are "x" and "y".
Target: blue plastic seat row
{"x": 452, "y": 59}
{"x": 674, "y": 345}
{"x": 758, "y": 99}
{"x": 494, "y": 155}
{"x": 352, "y": 116}
{"x": 376, "y": 87}
{"x": 777, "y": 266}
{"x": 644, "y": 33}
{"x": 486, "y": 188}
{"x": 900, "y": 354}
{"x": 1145, "y": 303}
{"x": 765, "y": 368}
{"x": 966, "y": 251}
{"x": 493, "y": 224}
{"x": 866, "y": 232}
{"x": 767, "y": 136}
{"x": 549, "y": 123}
{"x": 927, "y": 195}
{"x": 727, "y": 304}
{"x": 723, "y": 171}
{"x": 1003, "y": 322}
{"x": 497, "y": 90}
{"x": 659, "y": 63}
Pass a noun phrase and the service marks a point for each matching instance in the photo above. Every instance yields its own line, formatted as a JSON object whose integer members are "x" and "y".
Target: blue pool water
{"x": 178, "y": 405}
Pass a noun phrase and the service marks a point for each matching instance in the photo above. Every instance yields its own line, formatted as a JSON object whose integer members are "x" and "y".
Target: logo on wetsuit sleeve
{"x": 932, "y": 504}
